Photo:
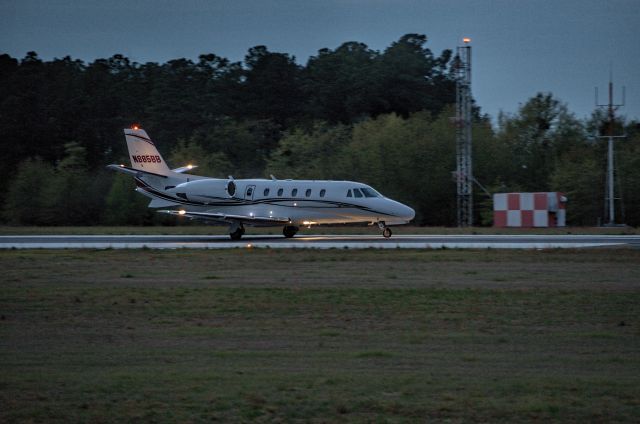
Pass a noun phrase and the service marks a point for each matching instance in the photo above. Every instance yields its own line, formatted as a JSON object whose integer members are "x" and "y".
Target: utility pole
{"x": 610, "y": 211}
{"x": 464, "y": 165}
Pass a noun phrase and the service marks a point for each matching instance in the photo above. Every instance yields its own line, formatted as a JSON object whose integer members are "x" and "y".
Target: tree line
{"x": 380, "y": 117}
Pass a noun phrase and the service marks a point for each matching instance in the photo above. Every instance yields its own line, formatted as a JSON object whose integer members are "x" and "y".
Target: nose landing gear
{"x": 386, "y": 231}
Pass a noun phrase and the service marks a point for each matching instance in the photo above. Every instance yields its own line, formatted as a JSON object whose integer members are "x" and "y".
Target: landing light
{"x": 190, "y": 166}
{"x": 182, "y": 212}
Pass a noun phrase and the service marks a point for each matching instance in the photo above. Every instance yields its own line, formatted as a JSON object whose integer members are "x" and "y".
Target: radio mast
{"x": 464, "y": 166}
{"x": 609, "y": 197}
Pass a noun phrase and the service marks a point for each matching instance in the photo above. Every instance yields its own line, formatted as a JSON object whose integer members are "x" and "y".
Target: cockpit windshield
{"x": 369, "y": 192}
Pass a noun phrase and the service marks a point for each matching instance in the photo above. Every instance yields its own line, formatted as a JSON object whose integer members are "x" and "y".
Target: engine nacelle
{"x": 206, "y": 191}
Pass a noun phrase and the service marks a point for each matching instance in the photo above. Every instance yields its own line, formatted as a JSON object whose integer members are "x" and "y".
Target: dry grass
{"x": 275, "y": 335}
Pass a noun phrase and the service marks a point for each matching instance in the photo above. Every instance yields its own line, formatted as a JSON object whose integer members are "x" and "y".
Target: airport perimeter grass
{"x": 320, "y": 336}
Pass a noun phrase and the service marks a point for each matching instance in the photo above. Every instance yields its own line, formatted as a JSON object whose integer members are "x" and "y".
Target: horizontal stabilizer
{"x": 216, "y": 216}
{"x": 184, "y": 168}
{"x": 131, "y": 171}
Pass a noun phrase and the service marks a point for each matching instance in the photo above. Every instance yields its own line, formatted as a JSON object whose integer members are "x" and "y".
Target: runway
{"x": 318, "y": 242}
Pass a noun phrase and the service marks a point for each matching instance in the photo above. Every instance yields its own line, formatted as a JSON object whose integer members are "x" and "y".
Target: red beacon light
{"x": 135, "y": 127}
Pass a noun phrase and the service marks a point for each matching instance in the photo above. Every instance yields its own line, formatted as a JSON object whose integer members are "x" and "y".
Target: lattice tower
{"x": 464, "y": 164}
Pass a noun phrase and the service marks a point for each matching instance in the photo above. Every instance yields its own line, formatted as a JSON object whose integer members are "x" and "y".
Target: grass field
{"x": 320, "y": 336}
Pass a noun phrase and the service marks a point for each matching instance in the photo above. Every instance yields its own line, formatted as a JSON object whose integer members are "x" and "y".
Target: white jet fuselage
{"x": 302, "y": 202}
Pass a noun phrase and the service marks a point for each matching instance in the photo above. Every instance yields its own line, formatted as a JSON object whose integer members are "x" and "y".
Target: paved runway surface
{"x": 319, "y": 241}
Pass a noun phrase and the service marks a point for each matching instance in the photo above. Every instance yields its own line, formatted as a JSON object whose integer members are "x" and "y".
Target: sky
{"x": 519, "y": 47}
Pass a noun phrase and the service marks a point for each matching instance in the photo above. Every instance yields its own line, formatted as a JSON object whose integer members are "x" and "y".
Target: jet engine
{"x": 206, "y": 191}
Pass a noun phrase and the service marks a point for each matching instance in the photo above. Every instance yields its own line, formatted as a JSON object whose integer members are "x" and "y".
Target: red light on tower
{"x": 466, "y": 40}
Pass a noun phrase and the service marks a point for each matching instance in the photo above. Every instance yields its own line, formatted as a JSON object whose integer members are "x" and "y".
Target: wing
{"x": 216, "y": 216}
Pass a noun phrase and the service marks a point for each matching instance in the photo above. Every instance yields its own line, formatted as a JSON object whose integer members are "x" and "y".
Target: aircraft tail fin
{"x": 143, "y": 153}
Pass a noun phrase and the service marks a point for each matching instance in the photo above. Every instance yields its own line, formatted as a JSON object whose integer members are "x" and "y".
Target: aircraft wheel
{"x": 289, "y": 231}
{"x": 237, "y": 234}
{"x": 387, "y": 232}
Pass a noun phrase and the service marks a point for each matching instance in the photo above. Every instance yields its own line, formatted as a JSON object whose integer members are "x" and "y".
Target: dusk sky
{"x": 520, "y": 47}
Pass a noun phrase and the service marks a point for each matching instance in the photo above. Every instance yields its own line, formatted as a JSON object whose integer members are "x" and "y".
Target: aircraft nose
{"x": 407, "y": 213}
{"x": 401, "y": 211}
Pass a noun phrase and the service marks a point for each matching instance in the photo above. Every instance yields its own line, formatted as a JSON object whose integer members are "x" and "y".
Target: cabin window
{"x": 266, "y": 192}
{"x": 294, "y": 192}
{"x": 308, "y": 192}
{"x": 357, "y": 193}
{"x": 349, "y": 194}
{"x": 280, "y": 191}
{"x": 323, "y": 192}
{"x": 368, "y": 192}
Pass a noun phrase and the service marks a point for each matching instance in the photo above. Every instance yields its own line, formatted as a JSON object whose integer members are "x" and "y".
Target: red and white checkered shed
{"x": 529, "y": 209}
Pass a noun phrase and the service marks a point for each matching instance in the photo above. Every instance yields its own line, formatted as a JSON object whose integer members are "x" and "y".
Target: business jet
{"x": 255, "y": 202}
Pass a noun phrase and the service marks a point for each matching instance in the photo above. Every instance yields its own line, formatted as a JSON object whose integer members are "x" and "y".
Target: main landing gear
{"x": 236, "y": 232}
{"x": 290, "y": 231}
{"x": 386, "y": 231}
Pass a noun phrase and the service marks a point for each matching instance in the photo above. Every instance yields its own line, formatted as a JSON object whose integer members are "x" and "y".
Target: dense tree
{"x": 73, "y": 195}
{"x": 537, "y": 137}
{"x": 27, "y": 194}
{"x": 628, "y": 159}
{"x": 190, "y": 152}
{"x": 340, "y": 83}
{"x": 123, "y": 206}
{"x": 382, "y": 117}
{"x": 582, "y": 180}
{"x": 314, "y": 154}
{"x": 271, "y": 88}
{"x": 411, "y": 79}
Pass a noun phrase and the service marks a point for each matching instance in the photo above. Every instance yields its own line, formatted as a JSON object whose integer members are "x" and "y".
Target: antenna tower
{"x": 609, "y": 197}
{"x": 464, "y": 169}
